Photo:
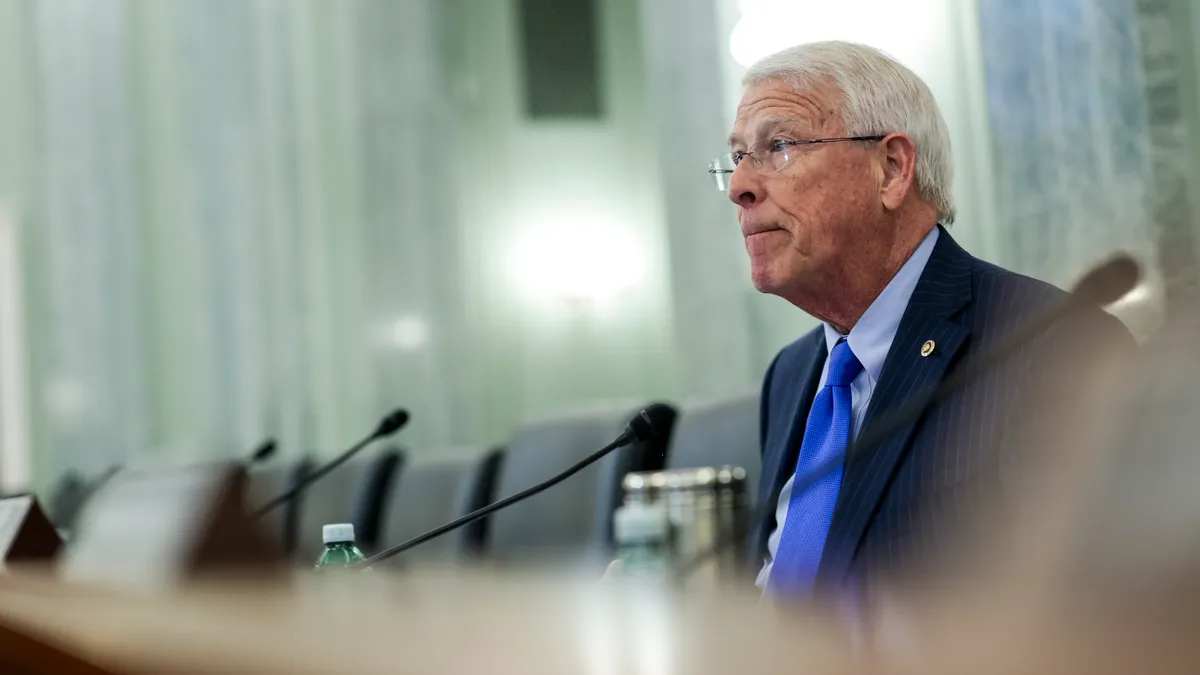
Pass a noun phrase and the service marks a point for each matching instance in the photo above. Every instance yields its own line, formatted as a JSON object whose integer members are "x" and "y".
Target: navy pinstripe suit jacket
{"x": 895, "y": 493}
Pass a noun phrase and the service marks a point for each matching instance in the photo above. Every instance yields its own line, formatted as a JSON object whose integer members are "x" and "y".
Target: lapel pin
{"x": 927, "y": 348}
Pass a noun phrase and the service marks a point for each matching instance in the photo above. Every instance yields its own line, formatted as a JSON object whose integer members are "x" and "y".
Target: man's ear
{"x": 898, "y": 154}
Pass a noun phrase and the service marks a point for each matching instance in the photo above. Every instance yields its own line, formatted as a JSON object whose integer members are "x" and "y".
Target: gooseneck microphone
{"x": 1103, "y": 285}
{"x": 653, "y": 422}
{"x": 1107, "y": 282}
{"x": 389, "y": 425}
{"x": 264, "y": 451}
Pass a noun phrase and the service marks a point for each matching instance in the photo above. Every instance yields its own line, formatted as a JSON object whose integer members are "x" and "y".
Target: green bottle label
{"x": 340, "y": 554}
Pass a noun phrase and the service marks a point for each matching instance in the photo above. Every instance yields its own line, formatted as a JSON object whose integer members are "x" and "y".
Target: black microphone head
{"x": 1108, "y": 282}
{"x": 394, "y": 422}
{"x": 652, "y": 423}
{"x": 264, "y": 451}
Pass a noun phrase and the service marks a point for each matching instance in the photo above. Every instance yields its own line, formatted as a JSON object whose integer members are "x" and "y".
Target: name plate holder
{"x": 26, "y": 534}
{"x": 152, "y": 529}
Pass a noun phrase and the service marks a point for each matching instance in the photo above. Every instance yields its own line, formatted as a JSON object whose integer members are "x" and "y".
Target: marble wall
{"x": 1071, "y": 138}
{"x": 1169, "y": 34}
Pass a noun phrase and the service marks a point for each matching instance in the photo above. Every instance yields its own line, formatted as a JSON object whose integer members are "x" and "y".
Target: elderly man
{"x": 841, "y": 168}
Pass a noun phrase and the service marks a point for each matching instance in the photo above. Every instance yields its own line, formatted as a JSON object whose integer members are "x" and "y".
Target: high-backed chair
{"x": 269, "y": 482}
{"x": 66, "y": 499}
{"x": 572, "y": 520}
{"x": 352, "y": 493}
{"x": 72, "y": 493}
{"x": 718, "y": 433}
{"x": 434, "y": 490}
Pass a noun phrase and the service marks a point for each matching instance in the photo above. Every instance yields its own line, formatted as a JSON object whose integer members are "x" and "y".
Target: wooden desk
{"x": 423, "y": 622}
{"x": 448, "y": 622}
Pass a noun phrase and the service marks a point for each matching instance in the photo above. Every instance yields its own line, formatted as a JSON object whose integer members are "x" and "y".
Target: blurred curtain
{"x": 234, "y": 222}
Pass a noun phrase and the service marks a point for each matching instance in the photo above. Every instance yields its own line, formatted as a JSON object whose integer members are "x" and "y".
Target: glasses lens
{"x": 779, "y": 158}
{"x": 721, "y": 170}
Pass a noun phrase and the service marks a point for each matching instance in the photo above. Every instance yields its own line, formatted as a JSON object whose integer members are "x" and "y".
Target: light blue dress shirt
{"x": 870, "y": 340}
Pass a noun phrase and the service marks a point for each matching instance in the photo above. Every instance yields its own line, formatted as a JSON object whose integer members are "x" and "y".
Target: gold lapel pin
{"x": 927, "y": 348}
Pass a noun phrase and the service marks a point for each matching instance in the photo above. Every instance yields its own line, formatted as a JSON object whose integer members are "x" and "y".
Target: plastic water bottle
{"x": 643, "y": 534}
{"x": 340, "y": 550}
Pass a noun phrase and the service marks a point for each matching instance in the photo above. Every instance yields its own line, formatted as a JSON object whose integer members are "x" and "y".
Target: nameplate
{"x": 156, "y": 528}
{"x": 26, "y": 534}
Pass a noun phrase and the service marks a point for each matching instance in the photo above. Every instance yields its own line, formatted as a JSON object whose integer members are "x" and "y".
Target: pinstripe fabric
{"x": 895, "y": 495}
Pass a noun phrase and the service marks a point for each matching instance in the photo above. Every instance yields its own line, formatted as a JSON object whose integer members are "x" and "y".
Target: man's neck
{"x": 858, "y": 288}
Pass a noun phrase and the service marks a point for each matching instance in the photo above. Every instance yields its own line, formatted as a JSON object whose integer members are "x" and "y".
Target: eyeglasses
{"x": 774, "y": 158}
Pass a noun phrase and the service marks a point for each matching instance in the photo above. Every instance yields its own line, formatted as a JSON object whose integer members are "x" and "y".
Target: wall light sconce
{"x": 769, "y": 26}
{"x": 408, "y": 333}
{"x": 580, "y": 265}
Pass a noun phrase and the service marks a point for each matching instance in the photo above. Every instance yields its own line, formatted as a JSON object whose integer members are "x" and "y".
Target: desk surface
{"x": 470, "y": 622}
{"x": 424, "y": 622}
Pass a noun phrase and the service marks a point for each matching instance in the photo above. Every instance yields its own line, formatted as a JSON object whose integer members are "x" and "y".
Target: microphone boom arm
{"x": 387, "y": 426}
{"x": 623, "y": 440}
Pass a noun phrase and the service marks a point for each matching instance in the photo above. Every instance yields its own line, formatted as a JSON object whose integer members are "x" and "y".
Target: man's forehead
{"x": 763, "y": 125}
{"x": 775, "y": 103}
{"x": 820, "y": 93}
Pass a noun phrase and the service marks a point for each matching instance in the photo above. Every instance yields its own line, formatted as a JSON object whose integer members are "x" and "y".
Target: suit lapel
{"x": 944, "y": 288}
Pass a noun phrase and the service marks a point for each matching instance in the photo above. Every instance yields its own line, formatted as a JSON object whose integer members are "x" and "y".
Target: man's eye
{"x": 737, "y": 157}
{"x": 778, "y": 145}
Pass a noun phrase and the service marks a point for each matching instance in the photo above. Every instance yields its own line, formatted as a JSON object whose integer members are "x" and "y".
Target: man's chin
{"x": 764, "y": 281}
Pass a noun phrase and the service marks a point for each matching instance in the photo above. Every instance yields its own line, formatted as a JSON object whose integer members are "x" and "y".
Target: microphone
{"x": 653, "y": 422}
{"x": 1108, "y": 282}
{"x": 1102, "y": 285}
{"x": 264, "y": 451}
{"x": 389, "y": 425}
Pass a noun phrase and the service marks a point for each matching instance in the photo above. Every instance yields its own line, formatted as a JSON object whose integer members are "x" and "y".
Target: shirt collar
{"x": 872, "y": 336}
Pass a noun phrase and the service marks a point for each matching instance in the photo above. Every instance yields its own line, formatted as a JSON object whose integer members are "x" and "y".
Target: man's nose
{"x": 745, "y": 185}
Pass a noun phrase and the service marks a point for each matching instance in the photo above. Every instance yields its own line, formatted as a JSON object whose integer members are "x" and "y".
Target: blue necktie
{"x": 810, "y": 510}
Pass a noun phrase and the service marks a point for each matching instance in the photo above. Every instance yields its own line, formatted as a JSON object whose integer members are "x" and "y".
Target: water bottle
{"x": 340, "y": 550}
{"x": 643, "y": 534}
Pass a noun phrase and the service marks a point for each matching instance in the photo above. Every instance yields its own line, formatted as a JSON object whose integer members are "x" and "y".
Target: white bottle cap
{"x": 340, "y": 532}
{"x": 639, "y": 523}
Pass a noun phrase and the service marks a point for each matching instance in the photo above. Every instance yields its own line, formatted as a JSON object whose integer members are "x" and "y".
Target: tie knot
{"x": 843, "y": 365}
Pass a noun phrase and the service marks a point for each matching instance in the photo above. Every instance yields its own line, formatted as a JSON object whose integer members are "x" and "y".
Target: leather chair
{"x": 352, "y": 493}
{"x": 718, "y": 433}
{"x": 267, "y": 483}
{"x": 571, "y": 521}
{"x": 434, "y": 490}
{"x": 72, "y": 493}
{"x": 66, "y": 499}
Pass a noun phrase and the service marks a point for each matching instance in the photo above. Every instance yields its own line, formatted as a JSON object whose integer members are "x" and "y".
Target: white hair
{"x": 880, "y": 96}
